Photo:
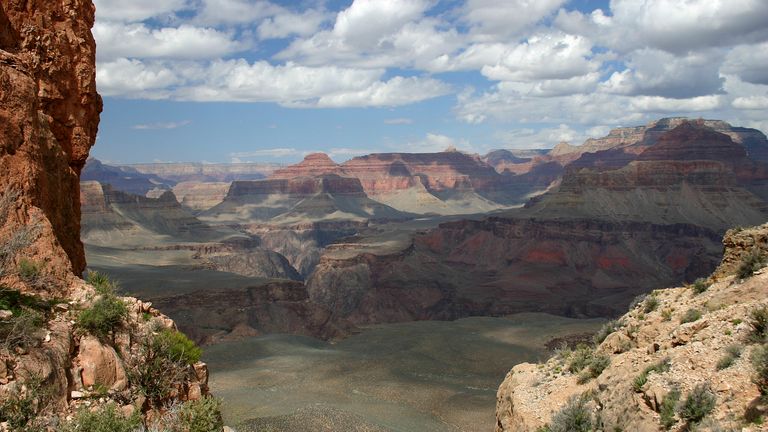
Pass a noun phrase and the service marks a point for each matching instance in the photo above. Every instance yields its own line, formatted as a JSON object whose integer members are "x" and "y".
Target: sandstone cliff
{"x": 662, "y": 364}
{"x": 66, "y": 344}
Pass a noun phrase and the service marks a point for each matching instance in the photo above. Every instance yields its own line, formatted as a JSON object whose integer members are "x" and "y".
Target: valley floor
{"x": 418, "y": 376}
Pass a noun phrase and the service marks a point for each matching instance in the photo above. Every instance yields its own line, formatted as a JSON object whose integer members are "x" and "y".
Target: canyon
{"x": 331, "y": 251}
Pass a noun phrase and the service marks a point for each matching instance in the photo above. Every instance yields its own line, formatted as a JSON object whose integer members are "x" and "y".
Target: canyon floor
{"x": 425, "y": 376}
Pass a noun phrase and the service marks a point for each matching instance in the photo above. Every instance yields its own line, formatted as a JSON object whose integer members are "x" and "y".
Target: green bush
{"x": 203, "y": 415}
{"x": 650, "y": 304}
{"x": 101, "y": 283}
{"x": 105, "y": 315}
{"x": 605, "y": 330}
{"x": 21, "y": 330}
{"x": 699, "y": 403}
{"x": 29, "y": 271}
{"x": 760, "y": 364}
{"x": 750, "y": 263}
{"x": 732, "y": 352}
{"x": 666, "y": 314}
{"x": 700, "y": 285}
{"x": 107, "y": 418}
{"x": 580, "y": 358}
{"x": 759, "y": 324}
{"x": 179, "y": 347}
{"x": 642, "y": 378}
{"x": 20, "y": 408}
{"x": 573, "y": 417}
{"x": 690, "y": 315}
{"x": 163, "y": 362}
{"x": 667, "y": 409}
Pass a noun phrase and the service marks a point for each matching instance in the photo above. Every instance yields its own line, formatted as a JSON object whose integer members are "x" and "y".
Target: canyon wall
{"x": 49, "y": 116}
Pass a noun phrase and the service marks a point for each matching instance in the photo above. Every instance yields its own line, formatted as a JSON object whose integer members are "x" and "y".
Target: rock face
{"x": 123, "y": 179}
{"x": 298, "y": 200}
{"x": 682, "y": 354}
{"x": 200, "y": 196}
{"x": 49, "y": 115}
{"x": 313, "y": 165}
{"x": 500, "y": 266}
{"x": 691, "y": 174}
{"x": 274, "y": 307}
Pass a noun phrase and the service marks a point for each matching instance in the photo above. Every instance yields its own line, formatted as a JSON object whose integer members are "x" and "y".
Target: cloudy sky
{"x": 255, "y": 80}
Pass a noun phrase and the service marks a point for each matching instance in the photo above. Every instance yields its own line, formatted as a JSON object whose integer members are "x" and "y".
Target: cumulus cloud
{"x": 749, "y": 62}
{"x": 398, "y": 121}
{"x": 494, "y": 20}
{"x": 136, "y": 40}
{"x": 241, "y": 81}
{"x": 135, "y": 10}
{"x": 286, "y": 23}
{"x": 658, "y": 73}
{"x": 546, "y": 137}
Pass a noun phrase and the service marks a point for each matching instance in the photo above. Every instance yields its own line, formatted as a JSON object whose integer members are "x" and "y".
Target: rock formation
{"x": 58, "y": 354}
{"x": 49, "y": 115}
{"x": 688, "y": 340}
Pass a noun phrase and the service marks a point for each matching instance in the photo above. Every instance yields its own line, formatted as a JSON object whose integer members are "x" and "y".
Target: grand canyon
{"x": 587, "y": 252}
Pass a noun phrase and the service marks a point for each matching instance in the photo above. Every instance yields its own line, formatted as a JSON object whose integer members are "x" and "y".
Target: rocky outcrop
{"x": 658, "y": 347}
{"x": 499, "y": 266}
{"x": 313, "y": 165}
{"x": 691, "y": 174}
{"x": 272, "y": 307}
{"x": 112, "y": 217}
{"x": 200, "y": 196}
{"x": 298, "y": 200}
{"x": 253, "y": 263}
{"x": 49, "y": 115}
{"x": 123, "y": 179}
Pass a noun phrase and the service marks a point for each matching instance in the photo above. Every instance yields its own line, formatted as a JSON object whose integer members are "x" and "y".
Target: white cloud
{"x": 672, "y": 25}
{"x": 749, "y": 62}
{"x": 500, "y": 20}
{"x": 240, "y": 81}
{"x": 133, "y": 78}
{"x": 658, "y": 73}
{"x": 116, "y": 40}
{"x": 435, "y": 142}
{"x": 751, "y": 103}
{"x": 286, "y": 24}
{"x": 162, "y": 125}
{"x": 542, "y": 57}
{"x": 135, "y": 10}
{"x": 658, "y": 104}
{"x": 528, "y": 138}
{"x": 221, "y": 12}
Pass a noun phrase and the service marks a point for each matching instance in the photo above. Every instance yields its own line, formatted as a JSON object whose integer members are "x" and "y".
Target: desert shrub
{"x": 21, "y": 407}
{"x": 580, "y": 358}
{"x": 605, "y": 330}
{"x": 667, "y": 408}
{"x": 20, "y": 238}
{"x": 596, "y": 366}
{"x": 760, "y": 364}
{"x": 650, "y": 304}
{"x": 203, "y": 415}
{"x": 103, "y": 316}
{"x": 22, "y": 330}
{"x": 573, "y": 417}
{"x": 759, "y": 324}
{"x": 29, "y": 270}
{"x": 700, "y": 285}
{"x": 750, "y": 263}
{"x": 179, "y": 347}
{"x": 699, "y": 403}
{"x": 642, "y": 378}
{"x": 107, "y": 418}
{"x": 666, "y": 314}
{"x": 162, "y": 363}
{"x": 637, "y": 301}
{"x": 690, "y": 315}
{"x": 732, "y": 352}
{"x": 102, "y": 283}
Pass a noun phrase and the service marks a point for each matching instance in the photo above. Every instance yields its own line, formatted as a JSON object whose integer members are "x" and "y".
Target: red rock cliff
{"x": 49, "y": 116}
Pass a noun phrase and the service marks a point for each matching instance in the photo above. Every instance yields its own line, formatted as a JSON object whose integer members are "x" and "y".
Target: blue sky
{"x": 254, "y": 80}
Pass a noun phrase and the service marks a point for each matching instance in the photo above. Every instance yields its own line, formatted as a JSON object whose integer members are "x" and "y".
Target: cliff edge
{"x": 683, "y": 358}
{"x": 73, "y": 355}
